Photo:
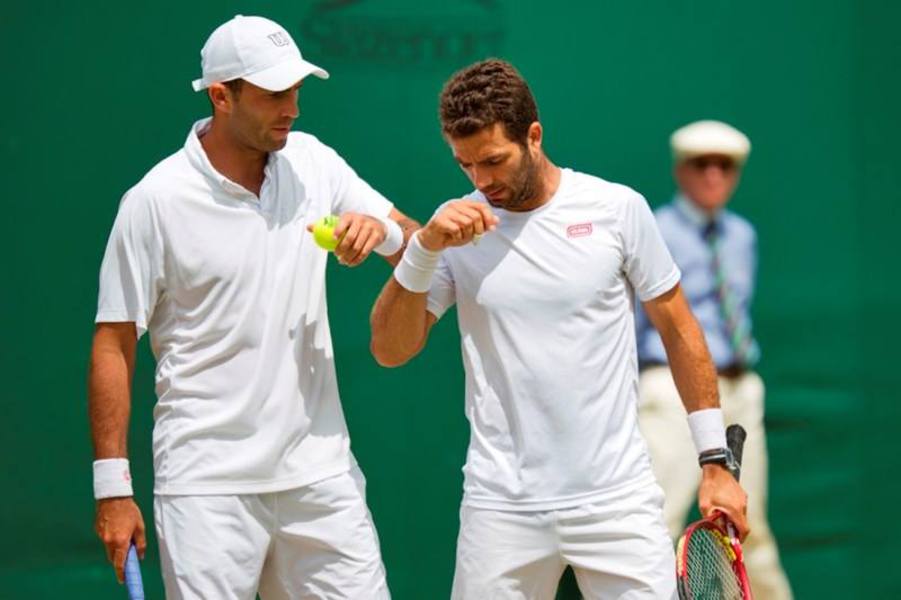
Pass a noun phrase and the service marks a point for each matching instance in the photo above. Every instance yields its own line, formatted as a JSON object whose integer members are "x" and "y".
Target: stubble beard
{"x": 526, "y": 184}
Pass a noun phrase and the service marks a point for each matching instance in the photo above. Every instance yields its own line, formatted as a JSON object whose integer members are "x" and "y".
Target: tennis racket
{"x": 133, "y": 582}
{"x": 709, "y": 561}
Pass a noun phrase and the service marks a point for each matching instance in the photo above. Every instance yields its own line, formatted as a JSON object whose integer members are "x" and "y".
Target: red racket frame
{"x": 720, "y": 525}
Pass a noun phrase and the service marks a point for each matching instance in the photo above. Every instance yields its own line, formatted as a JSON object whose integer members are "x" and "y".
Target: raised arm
{"x": 118, "y": 518}
{"x": 695, "y": 376}
{"x": 400, "y": 322}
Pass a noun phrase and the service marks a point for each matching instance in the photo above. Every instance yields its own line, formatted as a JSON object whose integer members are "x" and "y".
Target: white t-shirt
{"x": 232, "y": 290}
{"x": 546, "y": 311}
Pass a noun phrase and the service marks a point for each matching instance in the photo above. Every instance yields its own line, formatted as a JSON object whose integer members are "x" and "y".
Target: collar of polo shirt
{"x": 201, "y": 162}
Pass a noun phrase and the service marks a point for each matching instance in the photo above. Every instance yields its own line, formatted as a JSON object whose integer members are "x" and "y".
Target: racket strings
{"x": 709, "y": 567}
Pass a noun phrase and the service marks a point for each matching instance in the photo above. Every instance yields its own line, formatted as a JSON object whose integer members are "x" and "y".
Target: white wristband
{"x": 394, "y": 238}
{"x": 707, "y": 429}
{"x": 112, "y": 478}
{"x": 416, "y": 266}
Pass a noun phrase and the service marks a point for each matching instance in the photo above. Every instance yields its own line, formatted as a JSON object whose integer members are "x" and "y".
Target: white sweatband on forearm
{"x": 394, "y": 238}
{"x": 416, "y": 266}
{"x": 707, "y": 429}
{"x": 112, "y": 478}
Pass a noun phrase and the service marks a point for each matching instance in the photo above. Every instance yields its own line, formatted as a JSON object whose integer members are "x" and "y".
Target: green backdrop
{"x": 96, "y": 93}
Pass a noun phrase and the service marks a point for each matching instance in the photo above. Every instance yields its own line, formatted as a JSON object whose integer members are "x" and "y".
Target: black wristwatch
{"x": 720, "y": 456}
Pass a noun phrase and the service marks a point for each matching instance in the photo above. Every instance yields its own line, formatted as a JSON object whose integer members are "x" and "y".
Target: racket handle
{"x": 133, "y": 582}
{"x": 735, "y": 439}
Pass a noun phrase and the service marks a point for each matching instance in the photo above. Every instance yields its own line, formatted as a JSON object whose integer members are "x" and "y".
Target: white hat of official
{"x": 254, "y": 49}
{"x": 709, "y": 137}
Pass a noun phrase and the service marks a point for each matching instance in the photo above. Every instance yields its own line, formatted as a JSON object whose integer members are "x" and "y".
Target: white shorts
{"x": 316, "y": 541}
{"x": 617, "y": 549}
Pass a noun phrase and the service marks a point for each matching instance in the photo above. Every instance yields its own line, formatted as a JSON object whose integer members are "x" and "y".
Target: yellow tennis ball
{"x": 324, "y": 233}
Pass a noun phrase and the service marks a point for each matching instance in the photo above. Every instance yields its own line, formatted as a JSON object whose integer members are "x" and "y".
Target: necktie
{"x": 738, "y": 327}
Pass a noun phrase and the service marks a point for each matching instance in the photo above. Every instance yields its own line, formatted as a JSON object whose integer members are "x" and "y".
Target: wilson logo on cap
{"x": 279, "y": 38}
{"x": 240, "y": 49}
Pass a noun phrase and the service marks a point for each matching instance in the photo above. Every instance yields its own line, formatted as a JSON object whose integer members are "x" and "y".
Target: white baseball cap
{"x": 257, "y": 50}
{"x": 710, "y": 137}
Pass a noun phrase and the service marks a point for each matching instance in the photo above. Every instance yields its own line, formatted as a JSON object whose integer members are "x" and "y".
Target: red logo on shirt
{"x": 579, "y": 230}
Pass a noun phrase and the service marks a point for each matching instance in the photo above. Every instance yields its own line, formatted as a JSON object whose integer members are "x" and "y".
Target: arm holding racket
{"x": 119, "y": 519}
{"x": 695, "y": 376}
{"x": 709, "y": 556}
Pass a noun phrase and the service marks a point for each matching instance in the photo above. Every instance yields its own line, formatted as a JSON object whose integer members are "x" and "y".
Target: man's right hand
{"x": 719, "y": 491}
{"x": 456, "y": 225}
{"x": 118, "y": 522}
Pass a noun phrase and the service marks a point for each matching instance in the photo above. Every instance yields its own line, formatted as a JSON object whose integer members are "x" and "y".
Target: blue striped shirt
{"x": 682, "y": 225}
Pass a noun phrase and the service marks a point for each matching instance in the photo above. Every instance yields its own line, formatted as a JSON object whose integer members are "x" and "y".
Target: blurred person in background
{"x": 717, "y": 253}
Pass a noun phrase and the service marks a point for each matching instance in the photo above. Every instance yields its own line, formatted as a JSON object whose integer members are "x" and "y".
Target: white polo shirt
{"x": 231, "y": 288}
{"x": 546, "y": 312}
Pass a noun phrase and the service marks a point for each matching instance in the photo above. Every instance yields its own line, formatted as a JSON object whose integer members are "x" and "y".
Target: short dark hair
{"x": 487, "y": 92}
{"x": 234, "y": 86}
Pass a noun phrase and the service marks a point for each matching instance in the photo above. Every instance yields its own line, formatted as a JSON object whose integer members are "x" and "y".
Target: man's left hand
{"x": 719, "y": 491}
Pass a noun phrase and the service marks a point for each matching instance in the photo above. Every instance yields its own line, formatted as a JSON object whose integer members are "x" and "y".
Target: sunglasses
{"x": 702, "y": 163}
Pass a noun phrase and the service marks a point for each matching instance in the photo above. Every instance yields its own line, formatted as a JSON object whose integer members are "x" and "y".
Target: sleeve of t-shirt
{"x": 442, "y": 294}
{"x": 350, "y": 192}
{"x": 649, "y": 266}
{"x": 131, "y": 272}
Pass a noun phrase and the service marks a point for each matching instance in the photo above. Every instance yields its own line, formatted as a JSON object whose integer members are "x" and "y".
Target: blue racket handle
{"x": 133, "y": 582}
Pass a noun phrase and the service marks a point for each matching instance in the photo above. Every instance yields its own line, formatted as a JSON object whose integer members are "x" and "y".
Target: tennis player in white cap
{"x": 256, "y": 490}
{"x": 716, "y": 250}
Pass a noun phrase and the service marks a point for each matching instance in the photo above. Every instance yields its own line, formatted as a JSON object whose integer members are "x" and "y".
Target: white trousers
{"x": 617, "y": 549}
{"x": 316, "y": 541}
{"x": 663, "y": 423}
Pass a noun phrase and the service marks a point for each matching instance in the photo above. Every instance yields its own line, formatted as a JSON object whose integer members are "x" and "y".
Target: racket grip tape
{"x": 133, "y": 582}
{"x": 735, "y": 440}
